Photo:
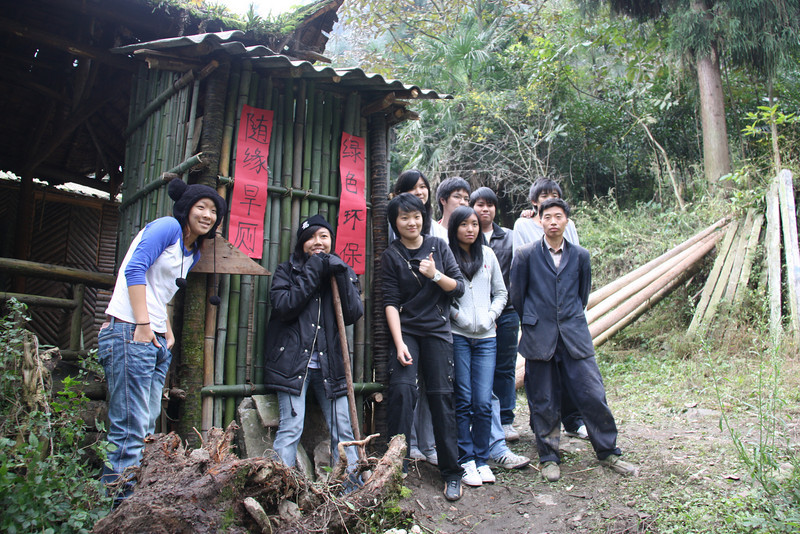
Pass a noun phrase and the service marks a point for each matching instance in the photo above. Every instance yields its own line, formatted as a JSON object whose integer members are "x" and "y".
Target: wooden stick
{"x": 790, "y": 247}
{"x": 774, "y": 261}
{"x": 711, "y": 282}
{"x": 348, "y": 373}
{"x": 749, "y": 255}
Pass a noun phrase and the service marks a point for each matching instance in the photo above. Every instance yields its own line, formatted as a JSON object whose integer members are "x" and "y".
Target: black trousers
{"x": 433, "y": 365}
{"x": 545, "y": 382}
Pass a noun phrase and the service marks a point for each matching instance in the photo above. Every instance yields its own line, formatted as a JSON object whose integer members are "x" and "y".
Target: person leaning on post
{"x": 303, "y": 350}
{"x": 419, "y": 277}
{"x": 550, "y": 283}
{"x": 134, "y": 345}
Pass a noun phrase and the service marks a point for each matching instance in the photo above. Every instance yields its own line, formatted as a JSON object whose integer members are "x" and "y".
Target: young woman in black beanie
{"x": 134, "y": 345}
{"x": 303, "y": 349}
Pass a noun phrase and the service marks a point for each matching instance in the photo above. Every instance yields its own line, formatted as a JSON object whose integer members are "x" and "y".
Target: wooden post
{"x": 79, "y": 290}
{"x": 774, "y": 262}
{"x": 789, "y": 224}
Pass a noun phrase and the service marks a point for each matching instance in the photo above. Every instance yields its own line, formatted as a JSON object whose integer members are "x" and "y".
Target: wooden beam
{"x": 66, "y": 45}
{"x": 790, "y": 246}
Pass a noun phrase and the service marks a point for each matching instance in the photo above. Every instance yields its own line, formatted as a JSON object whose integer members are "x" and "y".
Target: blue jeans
{"x": 293, "y": 415}
{"x": 474, "y": 363}
{"x": 505, "y": 371}
{"x": 135, "y": 373}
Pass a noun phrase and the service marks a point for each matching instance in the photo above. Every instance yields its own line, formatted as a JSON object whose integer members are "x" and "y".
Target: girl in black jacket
{"x": 420, "y": 276}
{"x": 303, "y": 350}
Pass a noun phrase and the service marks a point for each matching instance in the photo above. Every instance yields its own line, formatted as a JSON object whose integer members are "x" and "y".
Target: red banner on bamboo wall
{"x": 249, "y": 201}
{"x": 351, "y": 232}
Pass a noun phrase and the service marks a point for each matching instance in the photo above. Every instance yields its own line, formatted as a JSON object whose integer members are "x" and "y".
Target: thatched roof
{"x": 66, "y": 96}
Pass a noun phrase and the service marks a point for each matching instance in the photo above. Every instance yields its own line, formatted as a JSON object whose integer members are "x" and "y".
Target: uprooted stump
{"x": 211, "y": 490}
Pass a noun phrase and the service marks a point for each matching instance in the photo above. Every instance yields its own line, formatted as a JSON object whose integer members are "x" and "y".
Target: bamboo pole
{"x": 646, "y": 305}
{"x": 325, "y": 168}
{"x": 231, "y": 344}
{"x": 288, "y": 136}
{"x": 310, "y": 122}
{"x": 790, "y": 246}
{"x": 604, "y": 323}
{"x": 740, "y": 250}
{"x": 276, "y": 151}
{"x": 722, "y": 283}
{"x": 242, "y": 349}
{"x": 636, "y": 285}
{"x": 774, "y": 261}
{"x": 613, "y": 287}
{"x": 713, "y": 277}
{"x": 752, "y": 245}
{"x": 297, "y": 151}
{"x": 316, "y": 149}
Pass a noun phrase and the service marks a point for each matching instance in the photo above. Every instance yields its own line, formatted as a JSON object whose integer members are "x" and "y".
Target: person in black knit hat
{"x": 134, "y": 345}
{"x": 303, "y": 351}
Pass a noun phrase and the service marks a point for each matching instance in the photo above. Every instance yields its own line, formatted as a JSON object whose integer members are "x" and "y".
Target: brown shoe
{"x": 620, "y": 466}
{"x": 551, "y": 472}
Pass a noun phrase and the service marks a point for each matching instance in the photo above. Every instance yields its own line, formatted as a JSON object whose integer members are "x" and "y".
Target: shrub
{"x": 46, "y": 481}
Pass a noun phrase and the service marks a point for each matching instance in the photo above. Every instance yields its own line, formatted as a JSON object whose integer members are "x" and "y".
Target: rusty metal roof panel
{"x": 265, "y": 58}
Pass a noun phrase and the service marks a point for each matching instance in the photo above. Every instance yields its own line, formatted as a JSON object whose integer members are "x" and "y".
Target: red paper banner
{"x": 351, "y": 232}
{"x": 249, "y": 201}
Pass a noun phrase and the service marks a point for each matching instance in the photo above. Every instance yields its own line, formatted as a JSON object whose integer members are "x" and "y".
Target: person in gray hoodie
{"x": 473, "y": 318}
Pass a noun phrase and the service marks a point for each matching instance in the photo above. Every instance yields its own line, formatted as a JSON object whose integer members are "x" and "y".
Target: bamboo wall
{"x": 303, "y": 180}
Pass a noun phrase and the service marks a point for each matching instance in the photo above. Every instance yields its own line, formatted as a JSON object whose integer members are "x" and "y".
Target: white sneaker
{"x": 487, "y": 477}
{"x": 510, "y": 460}
{"x": 511, "y": 433}
{"x": 471, "y": 477}
{"x": 432, "y": 458}
{"x": 581, "y": 433}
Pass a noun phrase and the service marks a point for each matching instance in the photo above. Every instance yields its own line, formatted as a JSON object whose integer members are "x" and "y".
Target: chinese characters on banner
{"x": 249, "y": 202}
{"x": 351, "y": 232}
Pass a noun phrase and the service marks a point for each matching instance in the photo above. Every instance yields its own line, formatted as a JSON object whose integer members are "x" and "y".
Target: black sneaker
{"x": 452, "y": 490}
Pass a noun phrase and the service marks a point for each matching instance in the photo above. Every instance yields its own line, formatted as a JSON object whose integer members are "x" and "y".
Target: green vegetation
{"x": 47, "y": 481}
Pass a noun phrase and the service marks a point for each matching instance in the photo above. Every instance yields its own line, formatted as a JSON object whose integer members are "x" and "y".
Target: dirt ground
{"x": 676, "y": 450}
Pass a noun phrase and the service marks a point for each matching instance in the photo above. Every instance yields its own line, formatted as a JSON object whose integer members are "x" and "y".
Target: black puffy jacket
{"x": 301, "y": 302}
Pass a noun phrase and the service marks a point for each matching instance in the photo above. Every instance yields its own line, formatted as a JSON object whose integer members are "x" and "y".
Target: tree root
{"x": 210, "y": 490}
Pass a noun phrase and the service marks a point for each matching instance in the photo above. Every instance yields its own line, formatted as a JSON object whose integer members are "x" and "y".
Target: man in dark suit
{"x": 550, "y": 284}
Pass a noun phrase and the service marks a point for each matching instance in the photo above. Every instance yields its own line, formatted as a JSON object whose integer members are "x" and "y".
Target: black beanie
{"x": 307, "y": 229}
{"x": 185, "y": 196}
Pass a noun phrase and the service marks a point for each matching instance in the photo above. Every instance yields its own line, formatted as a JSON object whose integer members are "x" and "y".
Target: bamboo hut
{"x": 161, "y": 91}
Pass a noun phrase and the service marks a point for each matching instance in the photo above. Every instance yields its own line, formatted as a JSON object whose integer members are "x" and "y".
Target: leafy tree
{"x": 757, "y": 34}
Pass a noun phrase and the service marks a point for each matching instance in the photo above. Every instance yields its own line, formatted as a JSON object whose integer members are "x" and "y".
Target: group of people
{"x": 456, "y": 293}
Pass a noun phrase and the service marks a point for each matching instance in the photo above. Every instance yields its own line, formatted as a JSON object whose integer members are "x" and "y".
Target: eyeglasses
{"x": 458, "y": 197}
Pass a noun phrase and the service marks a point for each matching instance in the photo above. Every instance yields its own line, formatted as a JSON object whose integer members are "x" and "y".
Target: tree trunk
{"x": 716, "y": 157}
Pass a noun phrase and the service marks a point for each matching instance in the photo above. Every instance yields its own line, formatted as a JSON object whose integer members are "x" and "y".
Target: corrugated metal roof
{"x": 266, "y": 58}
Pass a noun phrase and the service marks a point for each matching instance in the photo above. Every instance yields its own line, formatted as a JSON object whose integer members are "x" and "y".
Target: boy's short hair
{"x": 554, "y": 203}
{"x": 544, "y": 185}
{"x": 448, "y": 186}
{"x": 405, "y": 202}
{"x": 483, "y": 193}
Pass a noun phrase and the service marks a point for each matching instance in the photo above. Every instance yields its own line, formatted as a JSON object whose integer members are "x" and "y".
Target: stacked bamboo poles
{"x": 616, "y": 305}
{"x": 730, "y": 274}
{"x": 790, "y": 246}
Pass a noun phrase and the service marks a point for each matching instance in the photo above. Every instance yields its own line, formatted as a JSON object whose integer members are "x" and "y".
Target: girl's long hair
{"x": 405, "y": 183}
{"x": 471, "y": 262}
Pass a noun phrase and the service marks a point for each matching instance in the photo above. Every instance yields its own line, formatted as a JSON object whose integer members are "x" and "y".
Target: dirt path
{"x": 683, "y": 456}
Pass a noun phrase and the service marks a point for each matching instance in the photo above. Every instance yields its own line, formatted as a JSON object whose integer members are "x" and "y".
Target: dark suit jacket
{"x": 551, "y": 301}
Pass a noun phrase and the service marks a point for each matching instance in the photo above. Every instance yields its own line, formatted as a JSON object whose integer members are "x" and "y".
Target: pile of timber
{"x": 619, "y": 303}
{"x": 731, "y": 272}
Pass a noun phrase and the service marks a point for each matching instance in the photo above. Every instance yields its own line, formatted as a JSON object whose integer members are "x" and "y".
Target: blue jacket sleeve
{"x": 156, "y": 238}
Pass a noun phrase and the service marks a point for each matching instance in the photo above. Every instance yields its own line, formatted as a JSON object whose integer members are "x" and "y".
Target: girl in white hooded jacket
{"x": 473, "y": 318}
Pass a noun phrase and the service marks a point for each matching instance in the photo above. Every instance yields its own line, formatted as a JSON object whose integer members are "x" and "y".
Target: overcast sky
{"x": 263, "y": 7}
